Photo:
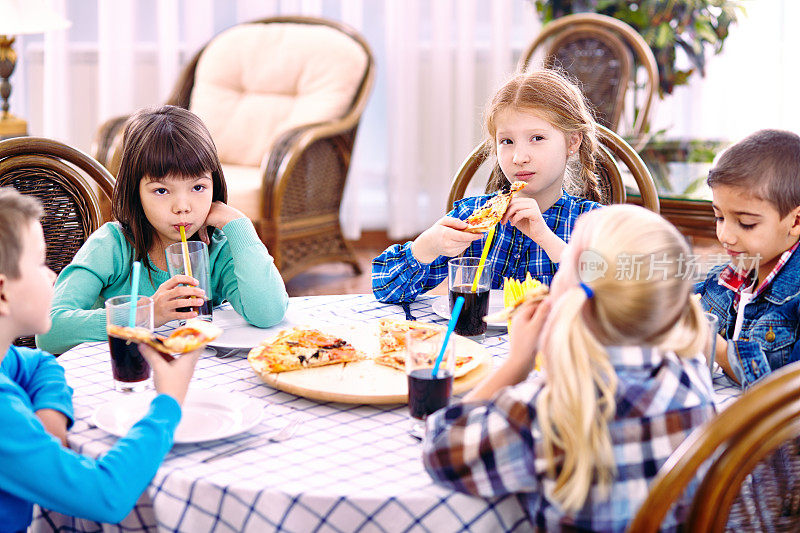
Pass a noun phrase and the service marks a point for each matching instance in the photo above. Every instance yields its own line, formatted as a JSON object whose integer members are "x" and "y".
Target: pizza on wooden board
{"x": 492, "y": 212}
{"x": 299, "y": 348}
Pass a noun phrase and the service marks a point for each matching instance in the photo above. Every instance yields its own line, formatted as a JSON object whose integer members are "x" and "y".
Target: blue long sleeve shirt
{"x": 36, "y": 468}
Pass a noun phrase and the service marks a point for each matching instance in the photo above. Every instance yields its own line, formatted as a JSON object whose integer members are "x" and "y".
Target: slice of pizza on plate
{"x": 492, "y": 211}
{"x": 298, "y": 348}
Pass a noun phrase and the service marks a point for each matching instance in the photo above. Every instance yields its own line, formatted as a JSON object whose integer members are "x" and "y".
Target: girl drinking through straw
{"x": 540, "y": 128}
{"x": 170, "y": 178}
{"x": 623, "y": 382}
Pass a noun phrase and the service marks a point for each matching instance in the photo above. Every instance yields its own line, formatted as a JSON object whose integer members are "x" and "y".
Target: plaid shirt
{"x": 737, "y": 280}
{"x": 398, "y": 277}
{"x": 495, "y": 448}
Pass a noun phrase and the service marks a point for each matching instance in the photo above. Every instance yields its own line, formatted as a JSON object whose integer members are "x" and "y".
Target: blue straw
{"x": 134, "y": 291}
{"x": 450, "y": 327}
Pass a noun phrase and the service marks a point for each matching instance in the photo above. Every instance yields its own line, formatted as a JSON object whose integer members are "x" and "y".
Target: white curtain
{"x": 437, "y": 62}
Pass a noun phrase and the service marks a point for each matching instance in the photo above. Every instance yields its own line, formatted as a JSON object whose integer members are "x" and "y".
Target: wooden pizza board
{"x": 365, "y": 382}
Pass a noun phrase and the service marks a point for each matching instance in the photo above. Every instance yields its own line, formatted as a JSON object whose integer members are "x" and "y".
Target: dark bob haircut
{"x": 167, "y": 141}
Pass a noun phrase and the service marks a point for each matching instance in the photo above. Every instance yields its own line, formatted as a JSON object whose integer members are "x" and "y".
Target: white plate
{"x": 207, "y": 414}
{"x": 237, "y": 333}
{"x": 441, "y": 306}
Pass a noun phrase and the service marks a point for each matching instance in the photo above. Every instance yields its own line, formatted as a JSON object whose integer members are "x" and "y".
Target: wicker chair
{"x": 67, "y": 182}
{"x": 751, "y": 451}
{"x": 294, "y": 196}
{"x": 614, "y": 150}
{"x": 596, "y": 50}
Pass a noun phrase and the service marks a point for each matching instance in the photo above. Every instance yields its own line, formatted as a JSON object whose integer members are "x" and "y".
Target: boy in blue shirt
{"x": 36, "y": 402}
{"x": 756, "y": 201}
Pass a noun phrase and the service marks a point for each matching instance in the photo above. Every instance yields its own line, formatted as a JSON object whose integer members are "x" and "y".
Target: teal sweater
{"x": 242, "y": 272}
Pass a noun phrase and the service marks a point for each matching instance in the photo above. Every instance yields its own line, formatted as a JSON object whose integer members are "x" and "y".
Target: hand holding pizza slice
{"x": 193, "y": 335}
{"x": 492, "y": 212}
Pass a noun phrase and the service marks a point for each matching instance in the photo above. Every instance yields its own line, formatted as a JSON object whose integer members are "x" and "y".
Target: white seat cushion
{"x": 244, "y": 188}
{"x": 255, "y": 81}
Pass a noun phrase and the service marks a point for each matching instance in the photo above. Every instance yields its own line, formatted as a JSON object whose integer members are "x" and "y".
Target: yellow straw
{"x": 484, "y": 253}
{"x": 187, "y": 264}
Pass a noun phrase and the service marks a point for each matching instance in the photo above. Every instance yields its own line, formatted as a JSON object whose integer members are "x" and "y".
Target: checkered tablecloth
{"x": 348, "y": 468}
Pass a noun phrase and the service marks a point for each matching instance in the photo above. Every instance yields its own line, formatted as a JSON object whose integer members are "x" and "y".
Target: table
{"x": 348, "y": 468}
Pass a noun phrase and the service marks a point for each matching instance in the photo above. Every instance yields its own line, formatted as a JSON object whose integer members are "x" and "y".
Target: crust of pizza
{"x": 194, "y": 334}
{"x": 492, "y": 212}
{"x": 299, "y": 348}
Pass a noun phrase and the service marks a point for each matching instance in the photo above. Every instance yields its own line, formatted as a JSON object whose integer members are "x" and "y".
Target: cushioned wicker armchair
{"x": 752, "y": 455}
{"x": 282, "y": 98}
{"x": 605, "y": 55}
{"x": 69, "y": 184}
{"x": 614, "y": 151}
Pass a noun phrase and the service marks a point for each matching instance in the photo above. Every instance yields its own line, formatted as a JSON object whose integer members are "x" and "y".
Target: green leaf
{"x": 664, "y": 36}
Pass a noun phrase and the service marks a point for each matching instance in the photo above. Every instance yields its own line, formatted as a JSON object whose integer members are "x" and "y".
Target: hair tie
{"x": 588, "y": 290}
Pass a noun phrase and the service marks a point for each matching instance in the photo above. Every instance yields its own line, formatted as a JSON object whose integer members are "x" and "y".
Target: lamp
{"x": 19, "y": 17}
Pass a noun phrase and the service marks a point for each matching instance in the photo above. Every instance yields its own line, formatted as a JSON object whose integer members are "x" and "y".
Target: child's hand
{"x": 174, "y": 293}
{"x": 219, "y": 215}
{"x": 446, "y": 237}
{"x": 171, "y": 378}
{"x": 55, "y": 422}
{"x": 721, "y": 357}
{"x": 526, "y": 330}
{"x": 525, "y": 215}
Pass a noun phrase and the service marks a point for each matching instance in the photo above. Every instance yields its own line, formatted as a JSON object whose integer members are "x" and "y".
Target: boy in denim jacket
{"x": 756, "y": 201}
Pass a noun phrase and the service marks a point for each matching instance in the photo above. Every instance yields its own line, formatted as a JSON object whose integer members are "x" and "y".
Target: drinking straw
{"x": 187, "y": 264}
{"x": 450, "y": 327}
{"x": 137, "y": 267}
{"x": 484, "y": 253}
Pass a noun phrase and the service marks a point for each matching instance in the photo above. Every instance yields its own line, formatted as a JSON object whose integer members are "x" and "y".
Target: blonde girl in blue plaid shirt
{"x": 624, "y": 381}
{"x": 541, "y": 130}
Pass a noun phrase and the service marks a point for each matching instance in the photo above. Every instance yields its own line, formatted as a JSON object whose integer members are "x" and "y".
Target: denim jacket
{"x": 769, "y": 334}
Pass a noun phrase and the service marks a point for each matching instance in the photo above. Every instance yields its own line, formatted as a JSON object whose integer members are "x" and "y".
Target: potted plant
{"x": 693, "y": 26}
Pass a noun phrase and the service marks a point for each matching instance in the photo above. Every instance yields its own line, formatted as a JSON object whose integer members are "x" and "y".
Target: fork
{"x": 224, "y": 353}
{"x": 285, "y": 433}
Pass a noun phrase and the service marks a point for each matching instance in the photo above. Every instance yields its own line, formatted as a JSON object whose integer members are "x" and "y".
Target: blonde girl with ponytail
{"x": 623, "y": 382}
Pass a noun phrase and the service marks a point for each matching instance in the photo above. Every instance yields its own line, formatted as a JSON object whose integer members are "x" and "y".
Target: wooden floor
{"x": 338, "y": 278}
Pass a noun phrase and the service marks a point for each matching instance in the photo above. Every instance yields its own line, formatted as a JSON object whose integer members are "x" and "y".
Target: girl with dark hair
{"x": 170, "y": 176}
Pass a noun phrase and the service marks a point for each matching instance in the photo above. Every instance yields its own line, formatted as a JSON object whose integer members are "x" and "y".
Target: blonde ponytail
{"x": 577, "y": 403}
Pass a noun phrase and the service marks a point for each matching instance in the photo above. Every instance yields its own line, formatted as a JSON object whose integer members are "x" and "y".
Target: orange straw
{"x": 484, "y": 253}
{"x": 187, "y": 264}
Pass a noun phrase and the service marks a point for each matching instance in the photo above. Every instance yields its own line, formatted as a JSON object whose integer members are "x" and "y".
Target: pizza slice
{"x": 392, "y": 344}
{"x": 492, "y": 212}
{"x": 299, "y": 348}
{"x": 194, "y": 334}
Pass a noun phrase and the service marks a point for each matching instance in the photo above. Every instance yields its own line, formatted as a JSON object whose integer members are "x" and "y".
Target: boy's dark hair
{"x": 766, "y": 163}
{"x": 16, "y": 211}
{"x": 158, "y": 142}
